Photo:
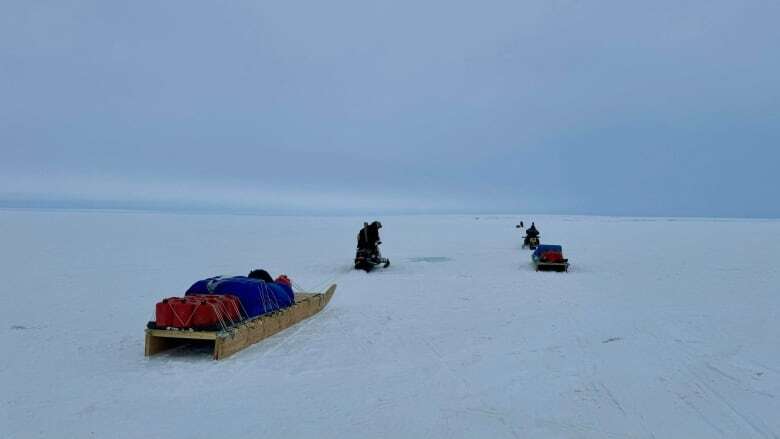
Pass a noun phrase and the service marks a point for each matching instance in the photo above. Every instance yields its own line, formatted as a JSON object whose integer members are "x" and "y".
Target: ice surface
{"x": 662, "y": 328}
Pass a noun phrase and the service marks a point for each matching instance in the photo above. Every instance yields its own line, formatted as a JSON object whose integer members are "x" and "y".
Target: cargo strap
{"x": 268, "y": 299}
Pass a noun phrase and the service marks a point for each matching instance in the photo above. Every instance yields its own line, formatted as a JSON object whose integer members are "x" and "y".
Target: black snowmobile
{"x": 368, "y": 255}
{"x": 532, "y": 237}
{"x": 367, "y": 259}
{"x": 531, "y": 242}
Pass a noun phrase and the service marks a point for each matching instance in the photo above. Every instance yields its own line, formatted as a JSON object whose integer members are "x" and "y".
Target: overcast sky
{"x": 668, "y": 108}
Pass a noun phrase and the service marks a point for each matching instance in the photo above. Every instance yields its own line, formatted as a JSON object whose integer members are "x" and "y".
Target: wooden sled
{"x": 244, "y": 334}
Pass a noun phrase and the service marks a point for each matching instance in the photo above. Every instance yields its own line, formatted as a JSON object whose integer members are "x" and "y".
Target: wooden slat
{"x": 299, "y": 297}
{"x": 230, "y": 344}
{"x": 196, "y": 335}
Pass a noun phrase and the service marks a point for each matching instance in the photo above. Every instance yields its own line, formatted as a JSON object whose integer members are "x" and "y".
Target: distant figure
{"x": 532, "y": 231}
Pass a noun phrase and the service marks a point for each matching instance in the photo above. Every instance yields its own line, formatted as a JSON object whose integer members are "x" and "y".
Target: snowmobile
{"x": 531, "y": 238}
{"x": 549, "y": 258}
{"x": 367, "y": 259}
{"x": 532, "y": 242}
{"x": 368, "y": 255}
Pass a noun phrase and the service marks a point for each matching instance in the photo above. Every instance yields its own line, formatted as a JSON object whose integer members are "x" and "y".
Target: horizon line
{"x": 119, "y": 207}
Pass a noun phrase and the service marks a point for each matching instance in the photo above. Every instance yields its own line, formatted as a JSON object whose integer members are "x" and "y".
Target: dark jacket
{"x": 368, "y": 237}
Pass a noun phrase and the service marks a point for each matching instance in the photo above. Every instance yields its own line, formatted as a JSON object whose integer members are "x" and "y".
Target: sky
{"x": 614, "y": 107}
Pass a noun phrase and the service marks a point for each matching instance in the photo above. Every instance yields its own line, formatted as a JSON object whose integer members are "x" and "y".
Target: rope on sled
{"x": 245, "y": 314}
{"x": 242, "y": 314}
{"x": 268, "y": 299}
{"x": 223, "y": 317}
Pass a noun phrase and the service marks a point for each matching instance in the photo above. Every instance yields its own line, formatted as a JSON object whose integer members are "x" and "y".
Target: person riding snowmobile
{"x": 532, "y": 231}
{"x": 368, "y": 237}
{"x": 531, "y": 237}
{"x": 368, "y": 241}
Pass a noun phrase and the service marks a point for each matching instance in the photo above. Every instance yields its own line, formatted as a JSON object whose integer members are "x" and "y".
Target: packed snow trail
{"x": 662, "y": 328}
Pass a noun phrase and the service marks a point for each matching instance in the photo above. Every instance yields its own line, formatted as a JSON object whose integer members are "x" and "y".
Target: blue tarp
{"x": 257, "y": 297}
{"x": 544, "y": 248}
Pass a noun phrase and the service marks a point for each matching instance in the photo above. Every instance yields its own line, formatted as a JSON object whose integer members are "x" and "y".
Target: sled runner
{"x": 228, "y": 341}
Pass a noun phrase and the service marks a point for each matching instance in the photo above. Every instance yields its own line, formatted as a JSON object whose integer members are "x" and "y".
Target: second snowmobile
{"x": 368, "y": 255}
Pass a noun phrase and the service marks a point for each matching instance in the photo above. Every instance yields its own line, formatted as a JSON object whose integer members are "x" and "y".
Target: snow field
{"x": 662, "y": 328}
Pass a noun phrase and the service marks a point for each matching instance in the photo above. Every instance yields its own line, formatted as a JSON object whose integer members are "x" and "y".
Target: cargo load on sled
{"x": 257, "y": 296}
{"x": 230, "y": 314}
{"x": 549, "y": 257}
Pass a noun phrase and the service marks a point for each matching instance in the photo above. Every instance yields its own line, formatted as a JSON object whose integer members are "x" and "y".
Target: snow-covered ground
{"x": 663, "y": 328}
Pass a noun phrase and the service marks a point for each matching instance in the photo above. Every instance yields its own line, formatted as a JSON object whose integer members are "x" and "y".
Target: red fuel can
{"x": 183, "y": 311}
{"x": 163, "y": 315}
